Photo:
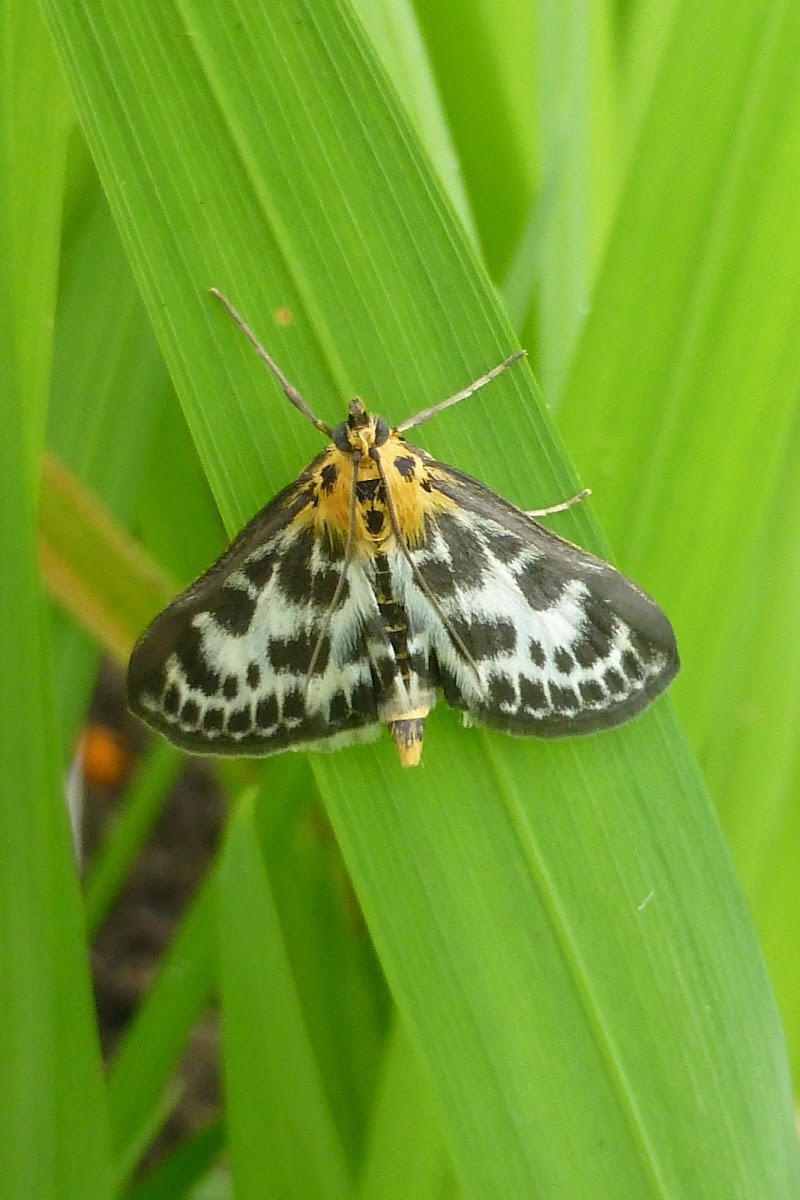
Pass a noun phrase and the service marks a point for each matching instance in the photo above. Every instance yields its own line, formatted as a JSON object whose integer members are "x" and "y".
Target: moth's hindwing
{"x": 224, "y": 669}
{"x": 549, "y": 640}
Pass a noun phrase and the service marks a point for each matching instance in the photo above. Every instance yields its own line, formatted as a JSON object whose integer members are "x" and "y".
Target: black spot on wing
{"x": 267, "y": 712}
{"x": 324, "y": 585}
{"x": 232, "y": 609}
{"x": 294, "y": 568}
{"x": 536, "y": 651}
{"x": 532, "y": 694}
{"x": 258, "y": 569}
{"x": 240, "y": 720}
{"x": 614, "y": 681}
{"x": 199, "y": 674}
{"x": 564, "y": 661}
{"x": 406, "y": 465}
{"x": 339, "y": 708}
{"x": 453, "y": 560}
{"x": 253, "y": 675}
{"x": 591, "y": 692}
{"x": 329, "y": 474}
{"x": 294, "y": 654}
{"x": 305, "y": 577}
{"x": 598, "y": 632}
{"x": 542, "y": 582}
{"x": 564, "y": 699}
{"x": 485, "y": 638}
{"x": 632, "y": 666}
{"x": 230, "y": 687}
{"x": 213, "y": 719}
{"x": 363, "y": 704}
{"x": 293, "y": 706}
{"x": 505, "y": 546}
{"x": 501, "y": 690}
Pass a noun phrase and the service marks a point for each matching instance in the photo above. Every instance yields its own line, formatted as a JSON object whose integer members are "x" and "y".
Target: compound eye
{"x": 341, "y": 439}
{"x": 382, "y": 431}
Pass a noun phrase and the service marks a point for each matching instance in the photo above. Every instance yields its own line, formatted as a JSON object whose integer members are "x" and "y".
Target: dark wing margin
{"x": 223, "y": 669}
{"x": 564, "y": 643}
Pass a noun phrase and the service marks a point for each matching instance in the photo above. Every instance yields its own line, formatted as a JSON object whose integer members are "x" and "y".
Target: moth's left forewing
{"x": 221, "y": 589}
{"x": 563, "y": 643}
{"x": 226, "y": 668}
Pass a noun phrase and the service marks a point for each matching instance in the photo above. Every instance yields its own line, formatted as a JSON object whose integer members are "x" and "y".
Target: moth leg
{"x": 348, "y": 556}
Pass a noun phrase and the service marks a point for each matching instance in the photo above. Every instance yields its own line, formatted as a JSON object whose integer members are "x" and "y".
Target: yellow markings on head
{"x": 407, "y": 479}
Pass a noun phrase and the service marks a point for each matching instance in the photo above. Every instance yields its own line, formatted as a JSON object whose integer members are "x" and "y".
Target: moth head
{"x": 360, "y": 431}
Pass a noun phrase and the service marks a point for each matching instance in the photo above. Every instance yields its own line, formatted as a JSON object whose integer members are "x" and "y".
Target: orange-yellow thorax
{"x": 403, "y": 473}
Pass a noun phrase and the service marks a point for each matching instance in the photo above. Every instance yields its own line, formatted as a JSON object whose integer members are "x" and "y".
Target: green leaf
{"x": 276, "y": 1102}
{"x": 404, "y": 1116}
{"x": 174, "y": 1177}
{"x": 107, "y": 384}
{"x": 155, "y": 778}
{"x": 54, "y": 1141}
{"x": 152, "y": 1044}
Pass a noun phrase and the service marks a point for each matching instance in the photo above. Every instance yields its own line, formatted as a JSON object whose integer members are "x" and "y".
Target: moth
{"x": 378, "y": 580}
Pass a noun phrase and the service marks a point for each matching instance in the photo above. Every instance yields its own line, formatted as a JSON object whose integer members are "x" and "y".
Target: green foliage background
{"x": 571, "y": 1000}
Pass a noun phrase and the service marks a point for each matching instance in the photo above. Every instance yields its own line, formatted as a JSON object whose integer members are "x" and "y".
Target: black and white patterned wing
{"x": 224, "y": 669}
{"x": 550, "y": 641}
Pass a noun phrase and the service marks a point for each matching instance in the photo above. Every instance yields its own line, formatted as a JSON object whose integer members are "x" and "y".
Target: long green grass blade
{"x": 174, "y": 1178}
{"x": 140, "y": 1074}
{"x": 283, "y": 1140}
{"x": 54, "y": 1138}
{"x": 154, "y": 779}
{"x": 107, "y": 385}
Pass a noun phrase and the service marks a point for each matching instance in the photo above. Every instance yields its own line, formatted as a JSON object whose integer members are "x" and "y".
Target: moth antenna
{"x": 398, "y": 533}
{"x": 289, "y": 390}
{"x": 427, "y": 413}
{"x": 562, "y": 507}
